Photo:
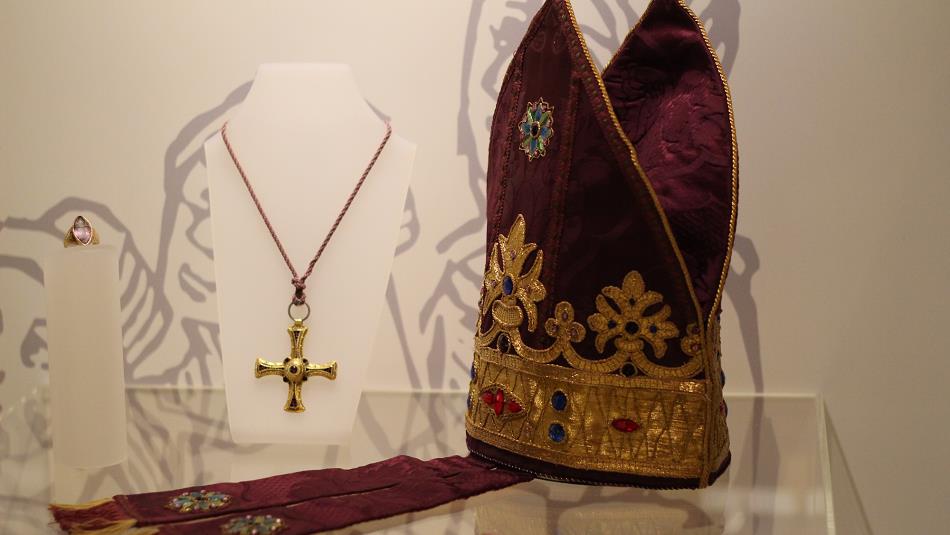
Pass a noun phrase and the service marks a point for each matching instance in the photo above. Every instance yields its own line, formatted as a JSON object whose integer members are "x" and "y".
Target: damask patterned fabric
{"x": 671, "y": 101}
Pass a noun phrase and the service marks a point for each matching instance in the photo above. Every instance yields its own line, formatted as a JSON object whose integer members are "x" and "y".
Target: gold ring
{"x": 80, "y": 234}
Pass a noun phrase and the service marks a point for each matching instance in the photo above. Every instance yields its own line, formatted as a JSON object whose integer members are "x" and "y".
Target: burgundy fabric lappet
{"x": 310, "y": 501}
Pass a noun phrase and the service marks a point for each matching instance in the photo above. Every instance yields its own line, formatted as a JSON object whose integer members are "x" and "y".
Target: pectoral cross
{"x": 295, "y": 369}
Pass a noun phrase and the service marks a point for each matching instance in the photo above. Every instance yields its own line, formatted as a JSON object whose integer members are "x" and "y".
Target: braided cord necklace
{"x": 296, "y": 369}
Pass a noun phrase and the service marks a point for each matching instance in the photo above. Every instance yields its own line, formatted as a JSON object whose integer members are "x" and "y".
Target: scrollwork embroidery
{"x": 625, "y": 316}
{"x": 506, "y": 283}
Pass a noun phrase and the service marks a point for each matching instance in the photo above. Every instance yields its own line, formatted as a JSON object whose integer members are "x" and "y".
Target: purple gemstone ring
{"x": 81, "y": 234}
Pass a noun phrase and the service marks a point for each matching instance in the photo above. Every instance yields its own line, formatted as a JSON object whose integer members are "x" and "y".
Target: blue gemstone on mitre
{"x": 559, "y": 401}
{"x": 556, "y": 432}
{"x": 508, "y": 285}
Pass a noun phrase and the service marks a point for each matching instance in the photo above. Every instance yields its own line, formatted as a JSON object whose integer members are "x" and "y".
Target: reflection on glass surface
{"x": 180, "y": 438}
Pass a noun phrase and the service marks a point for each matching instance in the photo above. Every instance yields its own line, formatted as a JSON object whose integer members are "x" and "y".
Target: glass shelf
{"x": 778, "y": 482}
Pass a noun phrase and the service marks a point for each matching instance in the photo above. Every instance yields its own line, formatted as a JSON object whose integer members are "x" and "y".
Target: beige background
{"x": 838, "y": 281}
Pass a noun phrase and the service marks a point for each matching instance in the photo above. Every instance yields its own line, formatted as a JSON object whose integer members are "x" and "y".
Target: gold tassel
{"x": 79, "y": 506}
{"x": 115, "y": 528}
{"x": 100, "y": 517}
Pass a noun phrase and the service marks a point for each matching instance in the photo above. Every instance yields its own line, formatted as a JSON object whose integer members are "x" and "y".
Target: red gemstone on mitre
{"x": 496, "y": 400}
{"x": 625, "y": 425}
{"x": 499, "y": 404}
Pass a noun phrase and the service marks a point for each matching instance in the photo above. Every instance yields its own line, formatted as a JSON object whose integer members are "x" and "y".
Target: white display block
{"x": 84, "y": 334}
{"x": 304, "y": 135}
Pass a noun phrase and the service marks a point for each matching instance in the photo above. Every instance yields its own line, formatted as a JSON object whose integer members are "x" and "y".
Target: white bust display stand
{"x": 304, "y": 135}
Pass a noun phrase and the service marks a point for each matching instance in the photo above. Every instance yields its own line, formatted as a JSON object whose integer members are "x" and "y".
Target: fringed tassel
{"x": 123, "y": 527}
{"x": 103, "y": 517}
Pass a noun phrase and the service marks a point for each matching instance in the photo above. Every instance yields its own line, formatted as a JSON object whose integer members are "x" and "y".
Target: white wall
{"x": 843, "y": 117}
{"x": 837, "y": 282}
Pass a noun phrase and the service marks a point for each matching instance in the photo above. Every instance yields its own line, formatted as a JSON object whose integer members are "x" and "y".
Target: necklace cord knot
{"x": 300, "y": 297}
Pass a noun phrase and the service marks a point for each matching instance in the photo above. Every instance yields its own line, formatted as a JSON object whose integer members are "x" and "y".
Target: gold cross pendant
{"x": 295, "y": 369}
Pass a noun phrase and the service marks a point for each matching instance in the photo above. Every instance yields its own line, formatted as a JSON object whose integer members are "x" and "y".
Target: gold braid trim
{"x": 671, "y": 415}
{"x": 586, "y": 415}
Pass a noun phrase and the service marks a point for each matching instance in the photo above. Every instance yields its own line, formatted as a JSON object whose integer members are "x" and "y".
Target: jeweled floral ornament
{"x": 296, "y": 369}
{"x": 595, "y": 354}
{"x": 253, "y": 525}
{"x": 198, "y": 501}
{"x": 536, "y": 128}
{"x": 80, "y": 234}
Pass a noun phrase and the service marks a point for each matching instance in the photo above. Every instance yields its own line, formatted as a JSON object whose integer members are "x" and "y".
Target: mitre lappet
{"x": 611, "y": 212}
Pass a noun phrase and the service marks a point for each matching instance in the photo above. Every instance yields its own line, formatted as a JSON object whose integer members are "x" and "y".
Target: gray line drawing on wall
{"x": 148, "y": 313}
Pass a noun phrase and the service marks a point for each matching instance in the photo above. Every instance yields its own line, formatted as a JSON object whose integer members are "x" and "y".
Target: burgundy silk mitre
{"x": 611, "y": 216}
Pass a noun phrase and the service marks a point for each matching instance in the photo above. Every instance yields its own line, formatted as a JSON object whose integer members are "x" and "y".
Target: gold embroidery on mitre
{"x": 665, "y": 406}
{"x": 719, "y": 433}
{"x": 536, "y": 129}
{"x": 505, "y": 284}
{"x": 622, "y": 319}
{"x": 670, "y": 413}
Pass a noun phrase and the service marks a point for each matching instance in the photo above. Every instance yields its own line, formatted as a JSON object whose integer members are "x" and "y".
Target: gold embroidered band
{"x": 590, "y": 420}
{"x": 618, "y": 411}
